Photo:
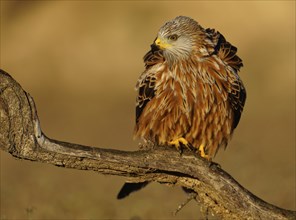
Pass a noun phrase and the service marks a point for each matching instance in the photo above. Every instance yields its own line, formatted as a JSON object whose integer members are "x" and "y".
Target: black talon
{"x": 181, "y": 149}
{"x": 191, "y": 148}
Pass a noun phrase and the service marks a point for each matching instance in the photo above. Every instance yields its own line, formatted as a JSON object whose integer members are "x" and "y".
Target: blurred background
{"x": 80, "y": 61}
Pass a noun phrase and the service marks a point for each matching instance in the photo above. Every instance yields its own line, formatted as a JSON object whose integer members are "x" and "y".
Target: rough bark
{"x": 218, "y": 192}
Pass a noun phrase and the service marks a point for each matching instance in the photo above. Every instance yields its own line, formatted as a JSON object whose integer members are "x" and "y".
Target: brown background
{"x": 80, "y": 61}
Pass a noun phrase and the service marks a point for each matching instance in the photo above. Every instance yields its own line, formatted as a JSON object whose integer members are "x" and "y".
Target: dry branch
{"x": 21, "y": 136}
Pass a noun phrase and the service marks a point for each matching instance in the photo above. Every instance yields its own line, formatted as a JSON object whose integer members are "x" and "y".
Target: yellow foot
{"x": 179, "y": 143}
{"x": 202, "y": 152}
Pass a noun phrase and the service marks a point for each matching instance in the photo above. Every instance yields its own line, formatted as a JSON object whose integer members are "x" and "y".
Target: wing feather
{"x": 145, "y": 93}
{"x": 236, "y": 91}
{"x": 146, "y": 83}
{"x": 237, "y": 97}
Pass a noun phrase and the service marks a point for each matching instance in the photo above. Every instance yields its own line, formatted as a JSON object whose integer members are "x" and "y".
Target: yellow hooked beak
{"x": 161, "y": 43}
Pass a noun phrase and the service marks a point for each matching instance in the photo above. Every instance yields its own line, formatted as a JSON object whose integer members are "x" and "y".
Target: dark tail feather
{"x": 128, "y": 188}
{"x": 187, "y": 190}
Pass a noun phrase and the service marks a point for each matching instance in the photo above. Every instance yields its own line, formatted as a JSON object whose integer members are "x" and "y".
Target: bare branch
{"x": 21, "y": 136}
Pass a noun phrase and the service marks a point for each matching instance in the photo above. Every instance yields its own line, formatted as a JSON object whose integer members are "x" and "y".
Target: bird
{"x": 190, "y": 94}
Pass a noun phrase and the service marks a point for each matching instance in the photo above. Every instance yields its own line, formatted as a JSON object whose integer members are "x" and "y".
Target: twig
{"x": 190, "y": 196}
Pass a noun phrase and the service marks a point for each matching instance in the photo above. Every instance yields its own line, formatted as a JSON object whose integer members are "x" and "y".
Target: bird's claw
{"x": 180, "y": 144}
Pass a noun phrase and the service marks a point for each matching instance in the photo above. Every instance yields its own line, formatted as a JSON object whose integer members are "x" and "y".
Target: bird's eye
{"x": 173, "y": 37}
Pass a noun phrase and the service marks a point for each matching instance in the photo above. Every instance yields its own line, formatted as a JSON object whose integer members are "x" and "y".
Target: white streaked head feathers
{"x": 177, "y": 37}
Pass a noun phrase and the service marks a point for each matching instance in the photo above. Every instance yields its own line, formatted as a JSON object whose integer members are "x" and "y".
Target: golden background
{"x": 80, "y": 61}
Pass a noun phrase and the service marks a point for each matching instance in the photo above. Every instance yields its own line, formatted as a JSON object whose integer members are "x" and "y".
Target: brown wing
{"x": 236, "y": 91}
{"x": 237, "y": 97}
{"x": 146, "y": 82}
{"x": 146, "y": 93}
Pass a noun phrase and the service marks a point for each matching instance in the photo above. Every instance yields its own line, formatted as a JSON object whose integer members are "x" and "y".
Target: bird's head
{"x": 177, "y": 38}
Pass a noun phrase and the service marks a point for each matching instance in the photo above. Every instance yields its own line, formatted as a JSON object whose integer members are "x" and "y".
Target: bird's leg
{"x": 202, "y": 152}
{"x": 179, "y": 143}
